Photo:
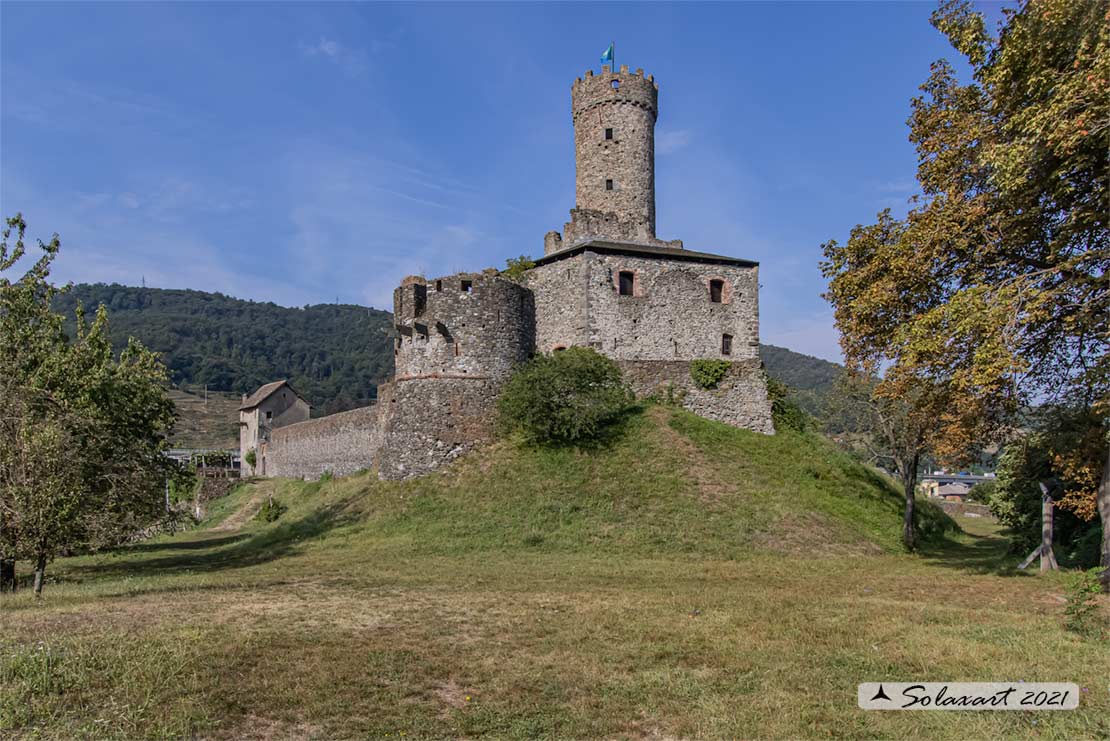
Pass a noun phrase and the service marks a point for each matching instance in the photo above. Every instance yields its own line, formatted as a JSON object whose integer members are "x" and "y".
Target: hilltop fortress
{"x": 607, "y": 282}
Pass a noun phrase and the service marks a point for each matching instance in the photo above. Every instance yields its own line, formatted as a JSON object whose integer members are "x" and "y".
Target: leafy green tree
{"x": 992, "y": 291}
{"x": 81, "y": 431}
{"x": 516, "y": 267}
{"x": 568, "y": 397}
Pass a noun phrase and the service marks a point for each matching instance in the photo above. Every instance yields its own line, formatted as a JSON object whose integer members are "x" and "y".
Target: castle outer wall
{"x": 339, "y": 444}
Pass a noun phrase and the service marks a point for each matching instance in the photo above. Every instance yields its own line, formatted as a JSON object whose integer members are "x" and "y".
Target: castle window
{"x": 439, "y": 285}
{"x": 616, "y": 84}
{"x": 626, "y": 282}
{"x": 420, "y": 299}
{"x": 726, "y": 344}
{"x": 716, "y": 290}
{"x": 467, "y": 285}
{"x": 608, "y": 185}
{"x": 456, "y": 349}
{"x": 269, "y": 416}
{"x": 608, "y": 134}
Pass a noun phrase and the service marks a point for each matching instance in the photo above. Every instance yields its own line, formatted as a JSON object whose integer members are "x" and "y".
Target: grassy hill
{"x": 690, "y": 580}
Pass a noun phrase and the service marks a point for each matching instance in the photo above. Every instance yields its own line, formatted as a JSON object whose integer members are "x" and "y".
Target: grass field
{"x": 690, "y": 580}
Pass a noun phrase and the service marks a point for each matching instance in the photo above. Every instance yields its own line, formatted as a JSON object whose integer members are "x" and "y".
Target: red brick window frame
{"x": 725, "y": 290}
{"x": 628, "y": 283}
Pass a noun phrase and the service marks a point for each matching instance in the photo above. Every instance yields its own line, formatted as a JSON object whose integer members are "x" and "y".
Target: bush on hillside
{"x": 786, "y": 414}
{"x": 568, "y": 397}
{"x": 709, "y": 373}
{"x": 982, "y": 492}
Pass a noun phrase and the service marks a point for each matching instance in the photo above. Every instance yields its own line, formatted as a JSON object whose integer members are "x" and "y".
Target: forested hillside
{"x": 334, "y": 354}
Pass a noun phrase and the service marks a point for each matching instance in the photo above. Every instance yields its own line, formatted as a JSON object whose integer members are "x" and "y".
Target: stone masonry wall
{"x": 559, "y": 291}
{"x": 670, "y": 315}
{"x": 428, "y": 422}
{"x": 339, "y": 443}
{"x": 463, "y": 324}
{"x": 740, "y": 399}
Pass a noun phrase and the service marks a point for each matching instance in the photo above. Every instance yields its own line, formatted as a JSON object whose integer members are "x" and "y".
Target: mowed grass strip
{"x": 633, "y": 591}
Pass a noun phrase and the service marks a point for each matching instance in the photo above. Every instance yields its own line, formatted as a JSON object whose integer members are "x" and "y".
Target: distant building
{"x": 951, "y": 486}
{"x": 274, "y": 405}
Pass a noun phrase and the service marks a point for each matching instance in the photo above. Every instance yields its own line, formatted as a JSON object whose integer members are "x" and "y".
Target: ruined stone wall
{"x": 339, "y": 443}
{"x": 740, "y": 399}
{"x": 670, "y": 315}
{"x": 559, "y": 290}
{"x": 463, "y": 324}
{"x": 428, "y": 422}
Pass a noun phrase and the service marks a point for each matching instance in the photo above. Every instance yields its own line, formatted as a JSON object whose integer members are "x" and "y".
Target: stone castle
{"x": 606, "y": 282}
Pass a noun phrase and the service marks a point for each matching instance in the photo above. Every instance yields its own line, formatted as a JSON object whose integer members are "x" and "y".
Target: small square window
{"x": 626, "y": 283}
{"x": 608, "y": 134}
{"x": 726, "y": 344}
{"x": 716, "y": 291}
{"x": 608, "y": 185}
{"x": 467, "y": 285}
{"x": 269, "y": 415}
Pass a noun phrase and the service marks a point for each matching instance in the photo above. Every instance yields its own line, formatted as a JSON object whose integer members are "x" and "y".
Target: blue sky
{"x": 307, "y": 153}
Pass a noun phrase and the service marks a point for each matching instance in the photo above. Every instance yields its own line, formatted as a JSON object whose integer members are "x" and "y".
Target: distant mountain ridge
{"x": 334, "y": 354}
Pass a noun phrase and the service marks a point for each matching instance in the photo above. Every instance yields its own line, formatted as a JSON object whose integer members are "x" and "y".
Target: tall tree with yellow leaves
{"x": 994, "y": 288}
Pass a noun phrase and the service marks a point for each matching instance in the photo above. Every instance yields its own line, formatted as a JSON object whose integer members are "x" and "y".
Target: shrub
{"x": 326, "y": 476}
{"x": 250, "y": 458}
{"x": 982, "y": 492}
{"x": 1081, "y": 592}
{"x": 708, "y": 373}
{"x": 567, "y": 397}
{"x": 516, "y": 267}
{"x": 271, "y": 510}
{"x": 784, "y": 412}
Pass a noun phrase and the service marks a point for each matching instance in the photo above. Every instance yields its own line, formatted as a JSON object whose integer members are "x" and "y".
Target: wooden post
{"x": 1048, "y": 558}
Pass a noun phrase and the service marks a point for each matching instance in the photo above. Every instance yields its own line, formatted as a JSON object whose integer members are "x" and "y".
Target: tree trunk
{"x": 1103, "y": 501}
{"x": 40, "y": 574}
{"x": 7, "y": 575}
{"x": 909, "y": 484}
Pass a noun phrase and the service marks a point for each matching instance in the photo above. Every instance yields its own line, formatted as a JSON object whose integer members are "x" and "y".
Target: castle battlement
{"x": 614, "y": 88}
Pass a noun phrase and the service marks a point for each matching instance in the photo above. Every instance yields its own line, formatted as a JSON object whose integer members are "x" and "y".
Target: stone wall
{"x": 740, "y": 399}
{"x": 559, "y": 291}
{"x": 463, "y": 324}
{"x": 668, "y": 317}
{"x": 428, "y": 422}
{"x": 340, "y": 444}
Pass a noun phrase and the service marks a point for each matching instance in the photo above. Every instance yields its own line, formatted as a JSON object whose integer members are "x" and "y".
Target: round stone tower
{"x": 614, "y": 155}
{"x": 614, "y": 147}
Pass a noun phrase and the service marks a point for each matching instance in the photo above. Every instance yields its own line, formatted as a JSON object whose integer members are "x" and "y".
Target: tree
{"x": 568, "y": 397}
{"x": 994, "y": 288}
{"x": 81, "y": 431}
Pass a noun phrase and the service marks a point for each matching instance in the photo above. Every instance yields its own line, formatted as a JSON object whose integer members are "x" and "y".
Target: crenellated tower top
{"x": 614, "y": 117}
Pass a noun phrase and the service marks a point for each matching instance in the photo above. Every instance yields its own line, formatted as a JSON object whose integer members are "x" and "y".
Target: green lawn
{"x": 689, "y": 580}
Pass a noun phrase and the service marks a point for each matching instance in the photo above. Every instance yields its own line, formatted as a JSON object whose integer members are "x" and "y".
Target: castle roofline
{"x": 643, "y": 250}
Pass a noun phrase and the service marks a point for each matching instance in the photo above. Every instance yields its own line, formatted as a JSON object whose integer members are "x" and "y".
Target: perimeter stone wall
{"x": 339, "y": 443}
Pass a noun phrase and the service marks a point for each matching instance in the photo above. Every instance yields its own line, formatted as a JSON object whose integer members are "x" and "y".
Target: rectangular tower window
{"x": 608, "y": 185}
{"x": 726, "y": 344}
{"x": 626, "y": 281}
{"x": 608, "y": 134}
{"x": 439, "y": 285}
{"x": 420, "y": 299}
{"x": 466, "y": 286}
{"x": 716, "y": 290}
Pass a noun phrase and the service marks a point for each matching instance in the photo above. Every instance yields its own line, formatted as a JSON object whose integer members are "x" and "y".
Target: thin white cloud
{"x": 351, "y": 61}
{"x": 669, "y": 142}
